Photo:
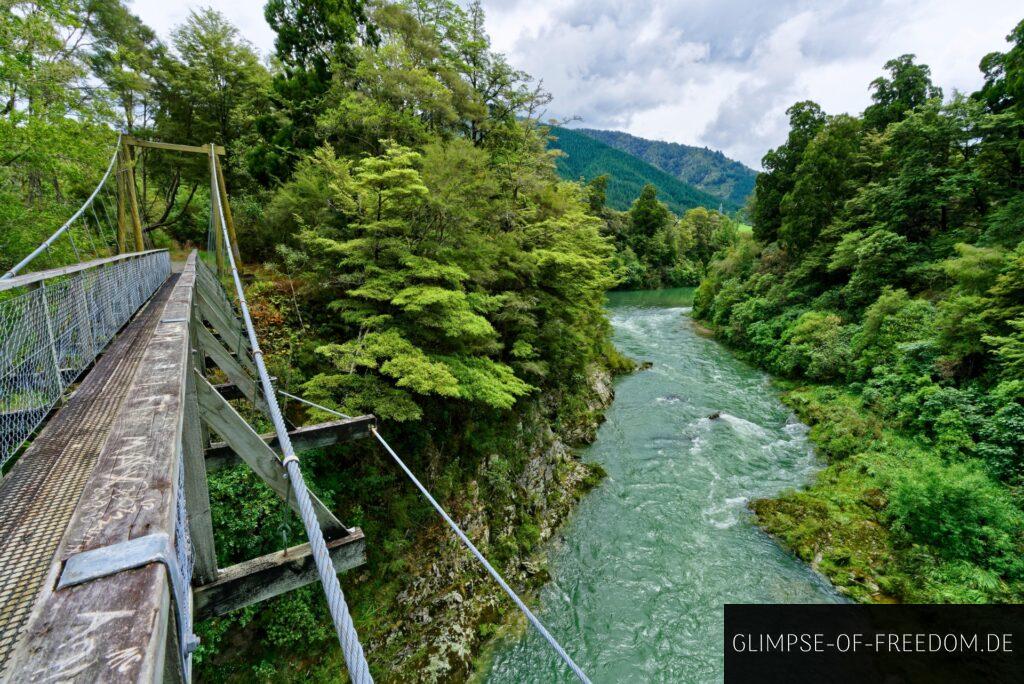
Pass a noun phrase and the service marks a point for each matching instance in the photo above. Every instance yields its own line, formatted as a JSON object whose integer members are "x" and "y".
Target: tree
{"x": 597, "y": 190}
{"x": 908, "y": 86}
{"x": 316, "y": 40}
{"x": 821, "y": 183}
{"x": 805, "y": 120}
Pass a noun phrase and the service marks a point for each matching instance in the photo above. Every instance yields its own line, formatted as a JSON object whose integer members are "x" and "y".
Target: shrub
{"x": 959, "y": 512}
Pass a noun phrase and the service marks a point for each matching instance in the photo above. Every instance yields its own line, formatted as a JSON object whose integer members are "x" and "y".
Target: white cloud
{"x": 719, "y": 73}
{"x": 247, "y": 15}
{"x": 722, "y": 73}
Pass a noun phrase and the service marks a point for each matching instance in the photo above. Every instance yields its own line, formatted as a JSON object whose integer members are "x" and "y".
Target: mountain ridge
{"x": 586, "y": 157}
{"x": 701, "y": 167}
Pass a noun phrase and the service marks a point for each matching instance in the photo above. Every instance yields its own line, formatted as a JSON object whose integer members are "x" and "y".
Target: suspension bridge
{"x": 111, "y": 418}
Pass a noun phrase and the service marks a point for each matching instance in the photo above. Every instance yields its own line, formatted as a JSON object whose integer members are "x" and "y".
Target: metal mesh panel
{"x": 51, "y": 334}
{"x": 185, "y": 557}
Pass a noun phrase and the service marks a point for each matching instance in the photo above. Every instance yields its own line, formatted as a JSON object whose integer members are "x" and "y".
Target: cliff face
{"x": 451, "y": 606}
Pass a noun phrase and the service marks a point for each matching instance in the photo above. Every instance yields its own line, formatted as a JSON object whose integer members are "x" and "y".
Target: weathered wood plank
{"x": 113, "y": 629}
{"x": 211, "y": 286}
{"x": 197, "y": 491}
{"x": 222, "y": 418}
{"x": 33, "y": 278}
{"x": 267, "y": 576}
{"x": 173, "y": 147}
{"x": 212, "y": 347}
{"x": 220, "y": 455}
{"x": 229, "y": 330}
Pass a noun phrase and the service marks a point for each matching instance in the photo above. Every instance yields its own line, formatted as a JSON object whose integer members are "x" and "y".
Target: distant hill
{"x": 707, "y": 170}
{"x": 588, "y": 158}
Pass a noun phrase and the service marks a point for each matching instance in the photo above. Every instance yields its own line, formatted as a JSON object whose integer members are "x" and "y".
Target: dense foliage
{"x": 704, "y": 169}
{"x": 887, "y": 266}
{"x": 587, "y": 158}
{"x": 654, "y": 248}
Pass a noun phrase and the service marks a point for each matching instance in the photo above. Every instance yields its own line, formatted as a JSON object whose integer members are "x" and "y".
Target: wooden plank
{"x": 113, "y": 629}
{"x": 220, "y": 455}
{"x": 229, "y": 328}
{"x": 267, "y": 576}
{"x": 211, "y": 286}
{"x": 212, "y": 347}
{"x": 32, "y": 278}
{"x": 233, "y": 337}
{"x": 173, "y": 147}
{"x": 229, "y": 391}
{"x": 228, "y": 219}
{"x": 222, "y": 418}
{"x": 197, "y": 492}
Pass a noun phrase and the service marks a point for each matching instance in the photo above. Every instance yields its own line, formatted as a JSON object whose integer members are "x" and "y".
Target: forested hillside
{"x": 704, "y": 169}
{"x": 885, "y": 280}
{"x": 410, "y": 252}
{"x": 586, "y": 158}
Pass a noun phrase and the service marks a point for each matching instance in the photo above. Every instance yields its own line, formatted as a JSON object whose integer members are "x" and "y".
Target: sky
{"x": 714, "y": 73}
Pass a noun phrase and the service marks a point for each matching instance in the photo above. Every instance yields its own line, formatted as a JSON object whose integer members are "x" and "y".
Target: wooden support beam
{"x": 212, "y": 347}
{"x": 220, "y": 455}
{"x": 173, "y": 147}
{"x": 122, "y": 204}
{"x": 229, "y": 391}
{"x": 276, "y": 573}
{"x": 197, "y": 492}
{"x": 228, "y": 219}
{"x": 230, "y": 331}
{"x": 133, "y": 200}
{"x": 215, "y": 211}
{"x": 211, "y": 285}
{"x": 222, "y": 418}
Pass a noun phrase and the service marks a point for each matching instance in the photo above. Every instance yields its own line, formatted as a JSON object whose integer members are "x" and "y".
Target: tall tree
{"x": 805, "y": 120}
{"x": 908, "y": 86}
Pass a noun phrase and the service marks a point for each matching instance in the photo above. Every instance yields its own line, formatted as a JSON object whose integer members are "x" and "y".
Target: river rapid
{"x": 641, "y": 570}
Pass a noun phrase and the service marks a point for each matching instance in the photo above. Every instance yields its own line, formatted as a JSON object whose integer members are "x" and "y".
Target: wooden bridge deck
{"x": 40, "y": 494}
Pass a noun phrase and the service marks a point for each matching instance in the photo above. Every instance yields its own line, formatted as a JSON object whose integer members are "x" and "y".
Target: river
{"x": 643, "y": 566}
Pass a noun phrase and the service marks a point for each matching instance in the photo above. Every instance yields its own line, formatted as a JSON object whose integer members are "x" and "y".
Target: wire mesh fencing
{"x": 52, "y": 332}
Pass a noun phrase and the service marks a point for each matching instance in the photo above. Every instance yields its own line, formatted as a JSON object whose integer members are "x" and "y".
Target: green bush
{"x": 958, "y": 511}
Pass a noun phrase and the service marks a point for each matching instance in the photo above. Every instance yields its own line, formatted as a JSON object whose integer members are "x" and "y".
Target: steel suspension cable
{"x": 60, "y": 231}
{"x": 566, "y": 658}
{"x": 358, "y": 668}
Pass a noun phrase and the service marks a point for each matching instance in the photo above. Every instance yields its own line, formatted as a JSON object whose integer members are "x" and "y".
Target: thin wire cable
{"x": 74, "y": 247}
{"x": 60, "y": 231}
{"x": 465, "y": 540}
{"x": 358, "y": 668}
{"x": 313, "y": 404}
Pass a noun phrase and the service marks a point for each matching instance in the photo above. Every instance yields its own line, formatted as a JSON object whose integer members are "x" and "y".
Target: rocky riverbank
{"x": 451, "y": 607}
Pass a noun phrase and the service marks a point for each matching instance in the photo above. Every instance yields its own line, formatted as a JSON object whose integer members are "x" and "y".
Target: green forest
{"x": 419, "y": 244}
{"x": 704, "y": 169}
{"x": 884, "y": 281}
{"x": 411, "y": 253}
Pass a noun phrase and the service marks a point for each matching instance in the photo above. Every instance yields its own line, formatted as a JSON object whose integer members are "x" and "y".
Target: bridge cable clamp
{"x": 128, "y": 555}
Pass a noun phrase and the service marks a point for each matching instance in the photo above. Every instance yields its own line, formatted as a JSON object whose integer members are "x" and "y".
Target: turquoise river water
{"x": 641, "y": 570}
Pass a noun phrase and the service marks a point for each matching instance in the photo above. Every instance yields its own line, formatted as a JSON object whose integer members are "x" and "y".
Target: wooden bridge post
{"x": 133, "y": 200}
{"x": 228, "y": 219}
{"x": 122, "y": 202}
{"x": 215, "y": 204}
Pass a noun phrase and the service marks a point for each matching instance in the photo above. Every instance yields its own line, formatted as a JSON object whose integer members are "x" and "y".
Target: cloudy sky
{"x": 719, "y": 73}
